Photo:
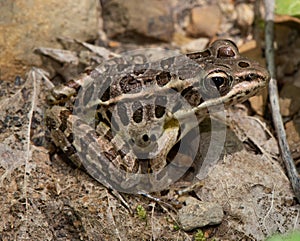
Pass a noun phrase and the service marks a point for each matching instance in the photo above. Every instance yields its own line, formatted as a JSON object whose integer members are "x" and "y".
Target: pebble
{"x": 195, "y": 45}
{"x": 199, "y": 19}
{"x": 197, "y": 214}
{"x": 135, "y": 21}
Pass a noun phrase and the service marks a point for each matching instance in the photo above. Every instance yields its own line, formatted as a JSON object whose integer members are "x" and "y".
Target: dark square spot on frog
{"x": 192, "y": 95}
{"x": 70, "y": 138}
{"x": 104, "y": 96}
{"x": 138, "y": 115}
{"x": 163, "y": 78}
{"x": 159, "y": 111}
{"x": 130, "y": 84}
{"x": 160, "y": 106}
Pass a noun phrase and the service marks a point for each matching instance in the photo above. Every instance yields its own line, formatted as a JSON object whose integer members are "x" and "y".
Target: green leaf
{"x": 199, "y": 236}
{"x": 295, "y": 236}
{"x": 288, "y": 7}
{"x": 141, "y": 212}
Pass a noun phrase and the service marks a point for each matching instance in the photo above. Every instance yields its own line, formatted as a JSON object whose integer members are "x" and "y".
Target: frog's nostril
{"x": 243, "y": 64}
{"x": 145, "y": 138}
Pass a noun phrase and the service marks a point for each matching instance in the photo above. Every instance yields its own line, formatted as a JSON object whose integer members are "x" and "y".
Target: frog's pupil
{"x": 218, "y": 81}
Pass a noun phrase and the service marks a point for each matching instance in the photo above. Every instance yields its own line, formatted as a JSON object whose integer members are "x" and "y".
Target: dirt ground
{"x": 45, "y": 197}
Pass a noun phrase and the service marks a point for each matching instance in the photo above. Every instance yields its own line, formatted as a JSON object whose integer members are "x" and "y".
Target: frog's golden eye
{"x": 216, "y": 84}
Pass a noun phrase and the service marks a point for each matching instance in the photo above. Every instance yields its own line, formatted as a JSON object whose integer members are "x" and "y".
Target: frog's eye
{"x": 216, "y": 84}
{"x": 218, "y": 81}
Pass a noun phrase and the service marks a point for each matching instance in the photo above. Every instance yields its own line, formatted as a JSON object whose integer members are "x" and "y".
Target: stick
{"x": 273, "y": 95}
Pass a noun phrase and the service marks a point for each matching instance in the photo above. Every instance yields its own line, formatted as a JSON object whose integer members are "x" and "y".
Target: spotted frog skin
{"x": 120, "y": 121}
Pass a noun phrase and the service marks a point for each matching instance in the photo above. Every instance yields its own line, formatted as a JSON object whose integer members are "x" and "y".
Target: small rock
{"x": 137, "y": 20}
{"x": 227, "y": 8}
{"x": 195, "y": 45}
{"x": 197, "y": 214}
{"x": 245, "y": 16}
{"x": 199, "y": 19}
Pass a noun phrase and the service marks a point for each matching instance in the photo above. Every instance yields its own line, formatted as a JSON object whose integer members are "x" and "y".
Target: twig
{"x": 273, "y": 95}
{"x": 28, "y": 155}
{"x": 153, "y": 224}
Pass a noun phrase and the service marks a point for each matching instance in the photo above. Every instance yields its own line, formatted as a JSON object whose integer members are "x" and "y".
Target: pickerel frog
{"x": 121, "y": 121}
